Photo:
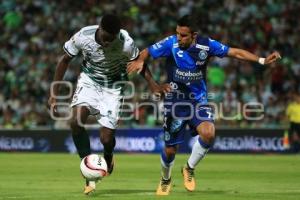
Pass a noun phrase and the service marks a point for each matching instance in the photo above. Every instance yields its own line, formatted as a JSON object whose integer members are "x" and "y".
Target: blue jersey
{"x": 187, "y": 68}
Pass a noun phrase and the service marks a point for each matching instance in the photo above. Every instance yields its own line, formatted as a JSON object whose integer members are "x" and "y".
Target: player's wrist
{"x": 261, "y": 61}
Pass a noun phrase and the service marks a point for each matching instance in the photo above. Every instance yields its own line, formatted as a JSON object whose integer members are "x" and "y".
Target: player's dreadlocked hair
{"x": 110, "y": 23}
{"x": 188, "y": 21}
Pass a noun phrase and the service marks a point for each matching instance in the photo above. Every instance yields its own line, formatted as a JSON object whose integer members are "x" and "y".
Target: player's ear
{"x": 194, "y": 34}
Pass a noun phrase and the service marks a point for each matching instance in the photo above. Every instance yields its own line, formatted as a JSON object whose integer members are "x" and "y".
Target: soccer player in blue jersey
{"x": 187, "y": 55}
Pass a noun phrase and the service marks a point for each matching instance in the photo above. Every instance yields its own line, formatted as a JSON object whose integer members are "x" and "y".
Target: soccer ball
{"x": 93, "y": 167}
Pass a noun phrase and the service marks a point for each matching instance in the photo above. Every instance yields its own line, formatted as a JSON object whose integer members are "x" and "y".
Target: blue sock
{"x": 166, "y": 165}
{"x": 167, "y": 161}
{"x": 203, "y": 144}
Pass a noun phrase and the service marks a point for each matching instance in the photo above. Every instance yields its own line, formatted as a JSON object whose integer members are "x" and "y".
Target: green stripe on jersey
{"x": 105, "y": 79}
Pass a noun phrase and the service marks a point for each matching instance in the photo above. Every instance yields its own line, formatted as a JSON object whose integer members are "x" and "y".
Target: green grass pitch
{"x": 56, "y": 176}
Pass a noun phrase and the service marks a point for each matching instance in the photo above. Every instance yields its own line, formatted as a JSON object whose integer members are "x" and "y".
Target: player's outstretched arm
{"x": 246, "y": 55}
{"x": 138, "y": 64}
{"x": 153, "y": 85}
{"x": 60, "y": 70}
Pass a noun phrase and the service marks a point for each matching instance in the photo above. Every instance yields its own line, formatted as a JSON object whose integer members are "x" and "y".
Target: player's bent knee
{"x": 207, "y": 132}
{"x": 171, "y": 150}
{"x": 74, "y": 124}
{"x": 208, "y": 136}
{"x": 107, "y": 139}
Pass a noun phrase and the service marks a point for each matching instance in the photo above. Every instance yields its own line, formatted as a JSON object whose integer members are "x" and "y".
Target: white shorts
{"x": 102, "y": 102}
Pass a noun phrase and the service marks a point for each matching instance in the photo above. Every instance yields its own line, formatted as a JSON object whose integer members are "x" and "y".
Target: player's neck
{"x": 194, "y": 42}
{"x": 97, "y": 38}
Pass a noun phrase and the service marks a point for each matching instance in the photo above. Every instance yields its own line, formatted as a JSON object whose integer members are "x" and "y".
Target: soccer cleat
{"x": 188, "y": 178}
{"x": 90, "y": 187}
{"x": 164, "y": 187}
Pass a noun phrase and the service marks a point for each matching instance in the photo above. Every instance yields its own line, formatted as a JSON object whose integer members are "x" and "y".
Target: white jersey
{"x": 105, "y": 66}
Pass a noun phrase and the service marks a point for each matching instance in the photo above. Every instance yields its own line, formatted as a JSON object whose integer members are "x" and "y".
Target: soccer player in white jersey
{"x": 187, "y": 54}
{"x": 106, "y": 50}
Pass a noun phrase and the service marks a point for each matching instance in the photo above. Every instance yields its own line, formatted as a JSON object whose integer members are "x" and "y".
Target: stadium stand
{"x": 34, "y": 31}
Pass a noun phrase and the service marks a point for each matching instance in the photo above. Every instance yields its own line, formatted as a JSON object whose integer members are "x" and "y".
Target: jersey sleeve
{"x": 217, "y": 48}
{"x": 162, "y": 48}
{"x": 129, "y": 48}
{"x": 72, "y": 47}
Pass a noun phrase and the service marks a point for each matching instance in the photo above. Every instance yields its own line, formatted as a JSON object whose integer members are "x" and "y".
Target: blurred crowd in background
{"x": 33, "y": 33}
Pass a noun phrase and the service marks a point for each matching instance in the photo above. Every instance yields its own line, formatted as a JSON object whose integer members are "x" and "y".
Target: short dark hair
{"x": 188, "y": 21}
{"x": 110, "y": 23}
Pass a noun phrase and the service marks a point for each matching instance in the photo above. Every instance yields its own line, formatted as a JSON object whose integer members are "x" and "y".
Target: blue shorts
{"x": 177, "y": 117}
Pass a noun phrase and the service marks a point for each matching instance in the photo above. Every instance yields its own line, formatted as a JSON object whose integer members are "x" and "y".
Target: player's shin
{"x": 199, "y": 150}
{"x": 109, "y": 149}
{"x": 167, "y": 163}
{"x": 108, "y": 140}
{"x": 82, "y": 142}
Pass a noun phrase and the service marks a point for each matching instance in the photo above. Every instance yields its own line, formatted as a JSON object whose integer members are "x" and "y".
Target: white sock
{"x": 197, "y": 154}
{"x": 166, "y": 169}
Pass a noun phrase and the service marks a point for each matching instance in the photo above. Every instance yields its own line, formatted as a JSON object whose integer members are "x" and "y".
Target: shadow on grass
{"x": 116, "y": 192}
{"x": 136, "y": 192}
{"x": 207, "y": 192}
